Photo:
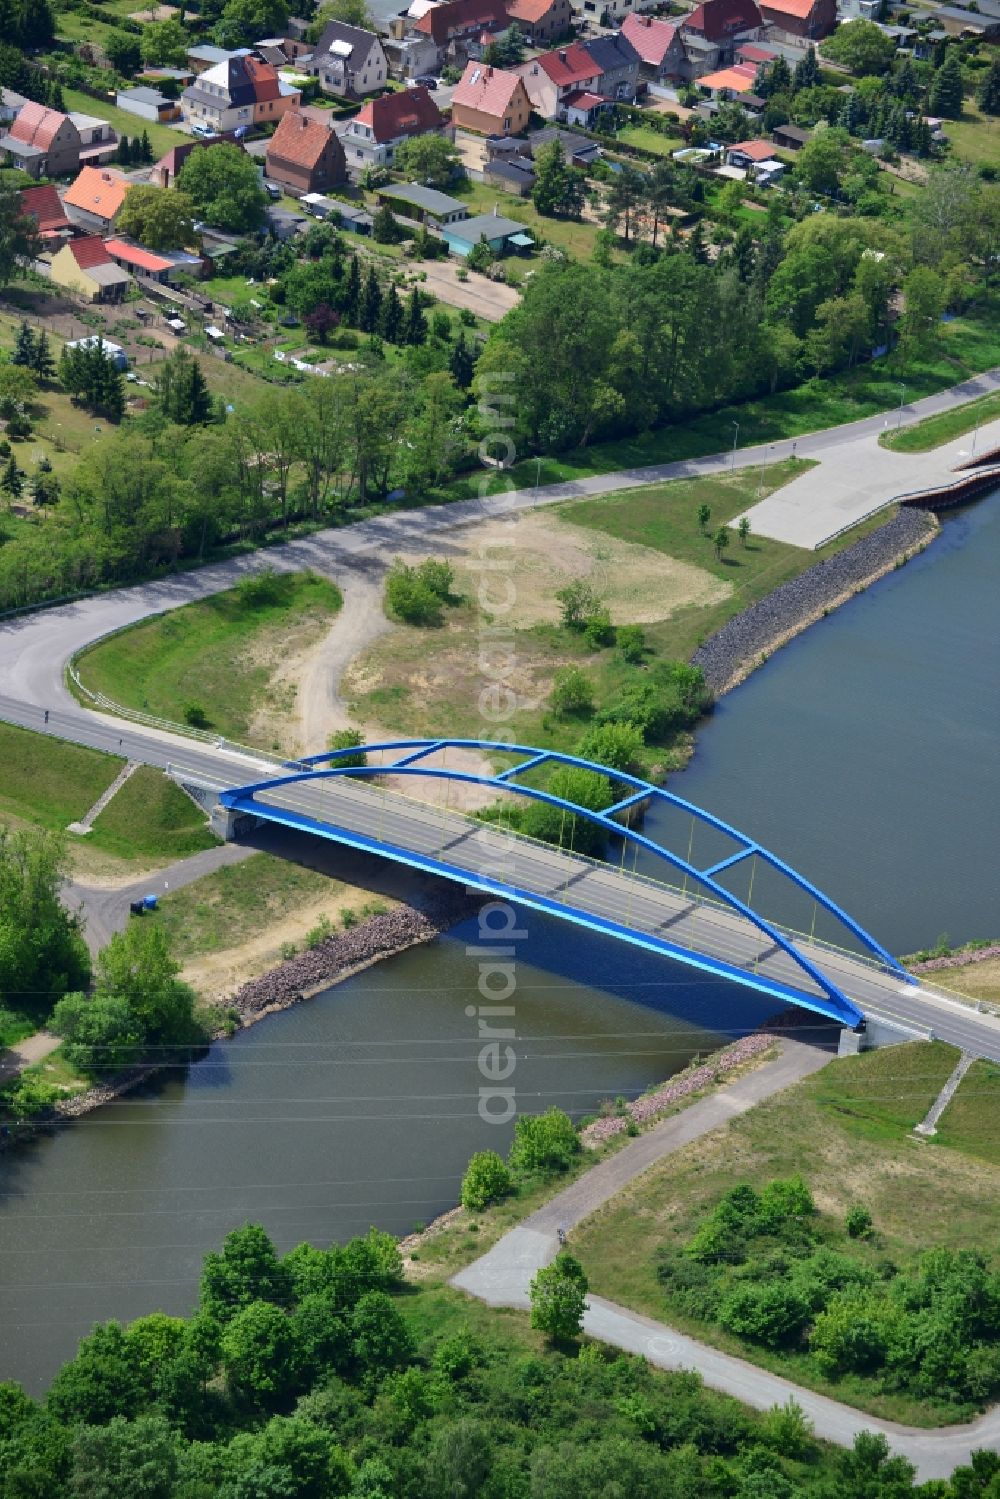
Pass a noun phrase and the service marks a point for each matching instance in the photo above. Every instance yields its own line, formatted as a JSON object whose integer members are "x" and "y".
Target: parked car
{"x": 273, "y": 190}
{"x": 426, "y": 81}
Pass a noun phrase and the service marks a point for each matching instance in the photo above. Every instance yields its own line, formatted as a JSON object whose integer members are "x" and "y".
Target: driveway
{"x": 503, "y": 1275}
{"x": 487, "y": 299}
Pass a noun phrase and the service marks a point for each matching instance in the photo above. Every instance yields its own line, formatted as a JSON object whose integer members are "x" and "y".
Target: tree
{"x": 100, "y": 1031}
{"x": 12, "y": 479}
{"x": 988, "y": 96}
{"x": 486, "y": 1180}
{"x": 351, "y": 12}
{"x": 461, "y": 363}
{"x": 923, "y": 295}
{"x": 157, "y": 218}
{"x": 183, "y": 391}
{"x": 577, "y": 603}
{"x": 246, "y": 1269}
{"x": 352, "y": 291}
{"x": 823, "y": 157}
{"x": 945, "y": 96}
{"x": 245, "y": 21}
{"x": 44, "y": 485}
{"x": 617, "y": 745}
{"x": 101, "y": 1382}
{"x": 137, "y": 1457}
{"x": 625, "y": 195}
{"x": 137, "y": 966}
{"x": 743, "y": 530}
{"x": 19, "y": 240}
{"x": 348, "y": 739}
{"x": 390, "y": 323}
{"x": 704, "y": 516}
{"x": 164, "y": 43}
{"x": 42, "y": 951}
{"x": 861, "y": 46}
{"x": 386, "y": 228}
{"x": 380, "y": 1339}
{"x": 257, "y": 1352}
{"x": 720, "y": 541}
{"x": 549, "y": 1141}
{"x": 370, "y": 309}
{"x": 415, "y": 328}
{"x": 558, "y": 189}
{"x": 806, "y": 73}
{"x": 321, "y": 321}
{"x": 432, "y": 159}
{"x": 123, "y": 52}
{"x": 222, "y": 183}
{"x": 91, "y": 376}
{"x": 559, "y": 1299}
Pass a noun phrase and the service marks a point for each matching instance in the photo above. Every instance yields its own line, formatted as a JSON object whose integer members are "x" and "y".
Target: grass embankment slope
{"x": 48, "y": 783}
{"x": 228, "y": 656}
{"x": 643, "y": 553}
{"x": 942, "y": 428}
{"x": 848, "y": 1132}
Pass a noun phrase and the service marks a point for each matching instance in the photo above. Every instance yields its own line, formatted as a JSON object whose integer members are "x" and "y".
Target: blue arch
{"x": 411, "y": 751}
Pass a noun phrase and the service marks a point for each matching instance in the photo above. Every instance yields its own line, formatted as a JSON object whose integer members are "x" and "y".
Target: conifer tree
{"x": 946, "y": 88}
{"x": 416, "y": 323}
{"x": 390, "y": 324}
{"x": 371, "y": 303}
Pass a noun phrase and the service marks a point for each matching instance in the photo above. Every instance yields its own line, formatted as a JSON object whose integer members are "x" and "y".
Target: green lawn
{"x": 161, "y": 137}
{"x": 648, "y": 139}
{"x": 14, "y": 1027}
{"x": 969, "y": 1123}
{"x": 967, "y": 346}
{"x": 848, "y": 1132}
{"x": 219, "y": 654}
{"x": 572, "y": 235}
{"x": 240, "y": 901}
{"x": 935, "y": 430}
{"x": 48, "y": 783}
{"x": 975, "y": 137}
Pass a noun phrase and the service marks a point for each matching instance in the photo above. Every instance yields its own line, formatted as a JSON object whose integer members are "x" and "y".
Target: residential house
{"x": 85, "y": 267}
{"x": 713, "y": 30}
{"x": 795, "y": 20}
{"x": 457, "y": 26}
{"x": 411, "y": 56}
{"x": 541, "y": 21}
{"x": 789, "y": 137}
{"x": 583, "y": 108}
{"x": 236, "y": 94}
{"x": 747, "y": 156}
{"x": 372, "y": 136}
{"x": 163, "y": 266}
{"x": 94, "y": 199}
{"x": 501, "y": 234}
{"x": 44, "y": 206}
{"x": 617, "y": 64}
{"x": 164, "y": 173}
{"x": 754, "y": 55}
{"x": 305, "y": 154}
{"x": 425, "y": 204}
{"x": 42, "y": 142}
{"x": 205, "y": 56}
{"x": 728, "y": 83}
{"x": 349, "y": 61}
{"x": 490, "y": 101}
{"x": 11, "y": 104}
{"x": 98, "y": 142}
{"x": 148, "y": 104}
{"x": 662, "y": 58}
{"x": 551, "y": 78}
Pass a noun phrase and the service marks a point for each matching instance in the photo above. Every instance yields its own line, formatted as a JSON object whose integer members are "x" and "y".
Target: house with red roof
{"x": 42, "y": 142}
{"x": 789, "y": 20}
{"x": 44, "y": 205}
{"x": 371, "y": 137}
{"x": 305, "y": 154}
{"x": 457, "y": 26}
{"x": 85, "y": 267}
{"x": 714, "y": 29}
{"x": 152, "y": 265}
{"x": 662, "y": 58}
{"x": 728, "y": 83}
{"x": 490, "y": 101}
{"x": 236, "y": 93}
{"x": 541, "y": 21}
{"x": 551, "y": 78}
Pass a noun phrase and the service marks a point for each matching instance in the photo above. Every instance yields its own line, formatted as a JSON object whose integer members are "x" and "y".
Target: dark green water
{"x": 866, "y": 753}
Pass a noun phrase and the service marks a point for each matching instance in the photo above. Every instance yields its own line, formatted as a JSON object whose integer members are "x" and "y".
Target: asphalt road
{"x": 503, "y": 1275}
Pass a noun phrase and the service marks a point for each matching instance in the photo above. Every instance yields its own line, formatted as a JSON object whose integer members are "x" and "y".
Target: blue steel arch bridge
{"x": 674, "y": 904}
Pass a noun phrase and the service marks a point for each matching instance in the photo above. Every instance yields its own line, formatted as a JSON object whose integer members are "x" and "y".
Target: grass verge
{"x": 150, "y": 818}
{"x": 935, "y": 430}
{"x": 969, "y": 1123}
{"x": 220, "y": 656}
{"x": 824, "y": 1129}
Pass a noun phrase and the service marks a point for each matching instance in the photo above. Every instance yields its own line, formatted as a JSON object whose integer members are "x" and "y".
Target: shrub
{"x": 348, "y": 739}
{"x": 858, "y": 1222}
{"x": 486, "y": 1180}
{"x": 617, "y": 745}
{"x": 572, "y": 693}
{"x": 409, "y": 598}
{"x": 319, "y": 933}
{"x": 767, "y": 1312}
{"x": 196, "y": 717}
{"x": 543, "y": 1142}
{"x": 631, "y": 641}
{"x": 598, "y": 630}
{"x": 559, "y": 1299}
{"x": 578, "y": 601}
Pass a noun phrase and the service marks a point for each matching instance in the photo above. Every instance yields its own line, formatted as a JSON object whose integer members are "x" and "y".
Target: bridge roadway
{"x": 652, "y": 914}
{"x": 920, "y": 1007}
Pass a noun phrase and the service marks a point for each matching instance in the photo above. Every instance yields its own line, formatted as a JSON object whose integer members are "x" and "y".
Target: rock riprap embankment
{"x": 739, "y": 646}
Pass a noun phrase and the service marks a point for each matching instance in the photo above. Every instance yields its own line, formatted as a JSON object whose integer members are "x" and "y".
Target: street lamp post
{"x": 902, "y": 397}
{"x": 763, "y": 464}
{"x": 538, "y": 471}
{"x": 975, "y": 435}
{"x": 736, "y": 438}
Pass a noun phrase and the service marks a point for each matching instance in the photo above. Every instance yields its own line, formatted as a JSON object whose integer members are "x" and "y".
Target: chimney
{"x": 562, "y": 54}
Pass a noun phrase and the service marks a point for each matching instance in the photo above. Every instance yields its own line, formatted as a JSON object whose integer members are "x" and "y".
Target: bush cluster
{"x": 416, "y": 594}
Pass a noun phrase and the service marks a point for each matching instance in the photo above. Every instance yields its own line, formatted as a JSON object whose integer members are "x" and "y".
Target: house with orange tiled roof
{"x": 457, "y": 26}
{"x": 42, "y": 142}
{"x": 792, "y": 20}
{"x": 728, "y": 83}
{"x": 95, "y": 197}
{"x": 490, "y": 101}
{"x": 371, "y": 137}
{"x": 305, "y": 154}
{"x": 150, "y": 264}
{"x": 44, "y": 205}
{"x": 541, "y": 21}
{"x": 85, "y": 267}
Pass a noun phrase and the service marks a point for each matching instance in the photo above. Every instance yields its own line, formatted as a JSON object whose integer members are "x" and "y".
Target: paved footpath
{"x": 503, "y": 1275}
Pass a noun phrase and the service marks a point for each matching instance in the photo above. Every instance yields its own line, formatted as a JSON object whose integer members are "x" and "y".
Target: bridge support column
{"x": 229, "y": 825}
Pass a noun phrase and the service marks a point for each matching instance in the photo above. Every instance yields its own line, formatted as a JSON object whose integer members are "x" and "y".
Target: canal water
{"x": 865, "y": 753}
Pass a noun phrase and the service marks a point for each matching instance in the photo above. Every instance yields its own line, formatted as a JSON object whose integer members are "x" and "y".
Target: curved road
{"x": 503, "y": 1275}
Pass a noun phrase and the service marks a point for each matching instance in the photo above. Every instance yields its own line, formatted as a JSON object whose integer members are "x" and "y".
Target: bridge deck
{"x": 674, "y": 920}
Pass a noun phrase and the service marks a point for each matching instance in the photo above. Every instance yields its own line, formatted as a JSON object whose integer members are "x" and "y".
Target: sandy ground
{"x": 545, "y": 552}
{"x": 217, "y": 975}
{"x": 488, "y": 299}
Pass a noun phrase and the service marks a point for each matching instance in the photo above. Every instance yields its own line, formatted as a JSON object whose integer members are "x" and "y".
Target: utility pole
{"x": 736, "y": 438}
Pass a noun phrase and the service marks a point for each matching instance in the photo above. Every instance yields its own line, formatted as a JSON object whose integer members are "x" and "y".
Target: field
{"x": 416, "y": 679}
{"x": 48, "y": 783}
{"x": 847, "y": 1131}
{"x": 219, "y": 662}
{"x": 935, "y": 430}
